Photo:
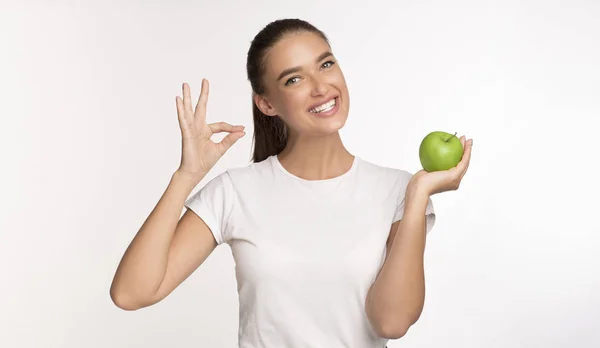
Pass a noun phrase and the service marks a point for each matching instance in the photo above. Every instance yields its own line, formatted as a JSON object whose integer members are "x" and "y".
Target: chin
{"x": 332, "y": 125}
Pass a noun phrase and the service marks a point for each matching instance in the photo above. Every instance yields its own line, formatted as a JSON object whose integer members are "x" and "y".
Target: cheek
{"x": 342, "y": 81}
{"x": 339, "y": 81}
{"x": 295, "y": 101}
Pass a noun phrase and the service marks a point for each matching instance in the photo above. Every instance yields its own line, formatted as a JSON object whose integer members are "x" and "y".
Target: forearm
{"x": 397, "y": 296}
{"x": 144, "y": 263}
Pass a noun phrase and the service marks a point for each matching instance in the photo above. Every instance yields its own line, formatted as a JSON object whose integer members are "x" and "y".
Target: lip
{"x": 325, "y": 100}
{"x": 330, "y": 112}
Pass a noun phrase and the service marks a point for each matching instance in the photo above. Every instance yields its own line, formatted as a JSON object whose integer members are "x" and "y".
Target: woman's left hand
{"x": 444, "y": 180}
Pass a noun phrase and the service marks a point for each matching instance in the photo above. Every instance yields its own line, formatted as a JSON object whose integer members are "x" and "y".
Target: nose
{"x": 319, "y": 87}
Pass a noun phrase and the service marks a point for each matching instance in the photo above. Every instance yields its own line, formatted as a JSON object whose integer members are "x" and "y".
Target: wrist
{"x": 416, "y": 199}
{"x": 186, "y": 179}
{"x": 417, "y": 192}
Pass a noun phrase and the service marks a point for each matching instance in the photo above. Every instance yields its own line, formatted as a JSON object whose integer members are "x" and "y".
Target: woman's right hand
{"x": 199, "y": 153}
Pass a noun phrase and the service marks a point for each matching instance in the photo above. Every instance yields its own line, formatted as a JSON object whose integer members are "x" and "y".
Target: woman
{"x": 328, "y": 247}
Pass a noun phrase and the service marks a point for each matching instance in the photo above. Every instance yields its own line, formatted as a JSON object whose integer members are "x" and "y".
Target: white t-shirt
{"x": 306, "y": 251}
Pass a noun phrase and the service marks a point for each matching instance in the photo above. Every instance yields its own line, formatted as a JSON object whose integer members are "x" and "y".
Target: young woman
{"x": 328, "y": 247}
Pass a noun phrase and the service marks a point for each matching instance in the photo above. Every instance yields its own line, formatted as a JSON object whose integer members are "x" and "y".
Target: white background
{"x": 89, "y": 139}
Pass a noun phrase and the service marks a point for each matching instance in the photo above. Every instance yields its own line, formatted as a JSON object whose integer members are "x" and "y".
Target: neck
{"x": 316, "y": 157}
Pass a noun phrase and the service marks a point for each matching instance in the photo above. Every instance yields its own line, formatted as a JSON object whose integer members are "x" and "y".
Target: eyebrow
{"x": 299, "y": 68}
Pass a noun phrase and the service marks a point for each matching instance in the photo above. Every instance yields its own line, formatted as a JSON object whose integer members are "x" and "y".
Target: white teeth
{"x": 325, "y": 107}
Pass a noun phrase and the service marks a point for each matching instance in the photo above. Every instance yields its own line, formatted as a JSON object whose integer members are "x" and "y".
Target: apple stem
{"x": 451, "y": 137}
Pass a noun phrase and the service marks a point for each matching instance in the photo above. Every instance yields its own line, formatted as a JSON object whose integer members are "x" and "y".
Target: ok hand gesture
{"x": 199, "y": 153}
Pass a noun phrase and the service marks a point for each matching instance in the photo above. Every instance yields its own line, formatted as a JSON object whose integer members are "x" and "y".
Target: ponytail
{"x": 270, "y": 135}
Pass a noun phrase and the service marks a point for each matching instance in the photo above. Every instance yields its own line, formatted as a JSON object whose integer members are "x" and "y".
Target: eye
{"x": 328, "y": 64}
{"x": 291, "y": 80}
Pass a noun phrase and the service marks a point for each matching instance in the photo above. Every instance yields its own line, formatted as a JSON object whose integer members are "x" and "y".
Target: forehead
{"x": 297, "y": 49}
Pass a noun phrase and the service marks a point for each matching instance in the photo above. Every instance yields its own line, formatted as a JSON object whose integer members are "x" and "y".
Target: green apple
{"x": 440, "y": 151}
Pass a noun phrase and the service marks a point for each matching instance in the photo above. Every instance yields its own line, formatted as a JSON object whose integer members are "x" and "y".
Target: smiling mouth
{"x": 328, "y": 106}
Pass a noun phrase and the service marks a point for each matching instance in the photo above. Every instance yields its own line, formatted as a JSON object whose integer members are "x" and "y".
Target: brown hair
{"x": 270, "y": 133}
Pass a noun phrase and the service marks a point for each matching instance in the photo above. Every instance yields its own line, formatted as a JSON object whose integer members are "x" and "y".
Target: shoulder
{"x": 249, "y": 170}
{"x": 246, "y": 176}
{"x": 385, "y": 174}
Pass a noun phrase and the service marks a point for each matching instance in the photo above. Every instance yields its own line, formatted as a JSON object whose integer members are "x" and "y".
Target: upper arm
{"x": 191, "y": 245}
{"x": 205, "y": 224}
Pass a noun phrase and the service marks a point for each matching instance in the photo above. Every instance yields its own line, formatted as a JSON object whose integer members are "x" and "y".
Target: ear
{"x": 264, "y": 106}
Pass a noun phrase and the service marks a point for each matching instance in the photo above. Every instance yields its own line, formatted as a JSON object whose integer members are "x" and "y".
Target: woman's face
{"x": 305, "y": 85}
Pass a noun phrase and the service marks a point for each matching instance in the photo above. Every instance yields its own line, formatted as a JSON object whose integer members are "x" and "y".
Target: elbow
{"x": 390, "y": 322}
{"x": 123, "y": 301}
{"x": 392, "y": 326}
{"x": 392, "y": 330}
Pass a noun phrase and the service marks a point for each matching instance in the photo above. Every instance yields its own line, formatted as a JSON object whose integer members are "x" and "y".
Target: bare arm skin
{"x": 166, "y": 250}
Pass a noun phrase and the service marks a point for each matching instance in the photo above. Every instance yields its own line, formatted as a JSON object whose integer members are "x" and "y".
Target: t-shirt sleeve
{"x": 213, "y": 203}
{"x": 429, "y": 210}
